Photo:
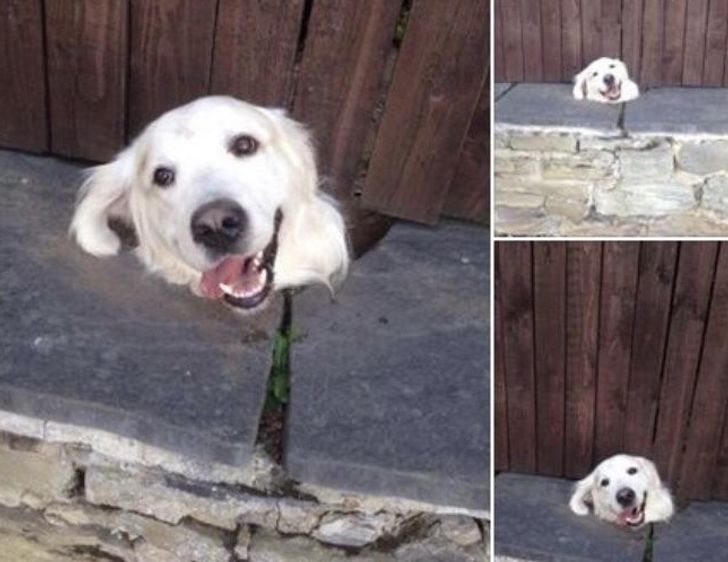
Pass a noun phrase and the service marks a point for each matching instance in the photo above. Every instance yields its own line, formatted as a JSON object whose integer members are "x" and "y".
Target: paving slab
{"x": 534, "y": 522}
{"x": 390, "y": 385}
{"x": 686, "y": 111}
{"x": 101, "y": 344}
{"x": 554, "y": 106}
{"x": 698, "y": 533}
{"x": 500, "y": 88}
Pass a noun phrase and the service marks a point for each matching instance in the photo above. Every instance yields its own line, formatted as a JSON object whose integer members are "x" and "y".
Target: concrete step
{"x": 99, "y": 343}
{"x": 390, "y": 385}
{"x": 699, "y": 533}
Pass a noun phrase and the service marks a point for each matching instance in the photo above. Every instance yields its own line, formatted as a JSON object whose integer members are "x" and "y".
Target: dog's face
{"x": 223, "y": 196}
{"x": 623, "y": 489}
{"x": 605, "y": 80}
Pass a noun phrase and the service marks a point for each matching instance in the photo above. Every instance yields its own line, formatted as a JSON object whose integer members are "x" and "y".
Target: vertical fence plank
{"x": 632, "y": 11}
{"x": 339, "y": 80}
{"x": 531, "y": 38}
{"x": 500, "y": 399}
{"x": 551, "y": 22}
{"x": 582, "y": 323}
{"x": 87, "y": 60}
{"x": 711, "y": 391}
{"x": 23, "y": 120}
{"x": 571, "y": 55}
{"x": 612, "y": 28}
{"x": 715, "y": 43}
{"x": 720, "y": 483}
{"x": 423, "y": 128}
{"x": 591, "y": 29}
{"x": 512, "y": 40}
{"x": 695, "y": 274}
{"x": 171, "y": 51}
{"x": 695, "y": 36}
{"x": 468, "y": 196}
{"x": 674, "y": 47}
{"x": 652, "y": 314}
{"x": 619, "y": 288}
{"x": 498, "y": 44}
{"x": 514, "y": 269}
{"x": 255, "y": 48}
{"x": 652, "y": 42}
{"x": 549, "y": 293}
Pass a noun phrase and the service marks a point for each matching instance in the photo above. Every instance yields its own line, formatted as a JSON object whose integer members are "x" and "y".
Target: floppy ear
{"x": 659, "y": 505}
{"x": 581, "y": 499}
{"x": 104, "y": 193}
{"x": 580, "y": 84}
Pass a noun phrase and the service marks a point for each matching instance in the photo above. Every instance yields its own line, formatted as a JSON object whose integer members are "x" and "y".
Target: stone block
{"x": 630, "y": 199}
{"x": 555, "y": 143}
{"x": 715, "y": 194}
{"x": 703, "y": 158}
{"x": 655, "y": 163}
{"x": 586, "y": 165}
{"x": 697, "y": 534}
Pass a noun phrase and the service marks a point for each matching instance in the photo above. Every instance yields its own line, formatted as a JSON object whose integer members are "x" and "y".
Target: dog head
{"x": 623, "y": 489}
{"x": 605, "y": 80}
{"x": 223, "y": 196}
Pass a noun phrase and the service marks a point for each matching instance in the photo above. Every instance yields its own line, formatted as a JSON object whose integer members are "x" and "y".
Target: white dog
{"x": 224, "y": 197}
{"x": 605, "y": 80}
{"x": 625, "y": 490}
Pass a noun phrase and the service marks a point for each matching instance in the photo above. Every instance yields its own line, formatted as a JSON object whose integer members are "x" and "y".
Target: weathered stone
{"x": 614, "y": 144}
{"x": 715, "y": 194}
{"x": 510, "y": 162}
{"x": 647, "y": 199}
{"x": 557, "y": 143}
{"x": 298, "y": 517}
{"x": 573, "y": 209}
{"x": 461, "y": 529}
{"x": 355, "y": 529}
{"x": 34, "y": 477}
{"x": 268, "y": 547}
{"x": 689, "y": 224}
{"x": 653, "y": 163}
{"x": 519, "y": 200}
{"x": 580, "y": 166}
{"x": 242, "y": 542}
{"x": 703, "y": 158}
{"x": 437, "y": 548}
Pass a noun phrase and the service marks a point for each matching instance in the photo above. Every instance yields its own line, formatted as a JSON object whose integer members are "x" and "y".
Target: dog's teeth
{"x": 227, "y": 289}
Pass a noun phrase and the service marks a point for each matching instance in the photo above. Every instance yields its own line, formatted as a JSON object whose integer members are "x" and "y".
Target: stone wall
{"x": 574, "y": 183}
{"x": 66, "y": 499}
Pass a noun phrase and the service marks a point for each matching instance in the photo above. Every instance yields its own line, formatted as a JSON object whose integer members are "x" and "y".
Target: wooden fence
{"x": 610, "y": 347}
{"x": 663, "y": 42}
{"x": 80, "y": 77}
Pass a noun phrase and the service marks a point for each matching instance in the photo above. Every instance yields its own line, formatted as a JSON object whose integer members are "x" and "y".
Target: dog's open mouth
{"x": 634, "y": 516}
{"x": 613, "y": 92}
{"x": 243, "y": 281}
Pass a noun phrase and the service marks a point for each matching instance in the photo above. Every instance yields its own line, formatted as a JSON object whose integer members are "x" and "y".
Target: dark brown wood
{"x": 500, "y": 399}
{"x": 514, "y": 271}
{"x": 611, "y": 28}
{"x": 255, "y": 48}
{"x": 340, "y": 78}
{"x": 711, "y": 391}
{"x": 87, "y": 61}
{"x": 512, "y": 39}
{"x": 715, "y": 43}
{"x": 551, "y": 22}
{"x": 632, "y": 22}
{"x": 617, "y": 306}
{"x": 532, "y": 42}
{"x": 652, "y": 314}
{"x": 591, "y": 16}
{"x": 695, "y": 274}
{"x": 170, "y": 55}
{"x": 672, "y": 58}
{"x": 571, "y": 56}
{"x": 499, "y": 44}
{"x": 652, "y": 43}
{"x": 695, "y": 35}
{"x": 424, "y": 127}
{"x": 549, "y": 293}
{"x": 583, "y": 269}
{"x": 23, "y": 121}
{"x": 720, "y": 483}
{"x": 469, "y": 193}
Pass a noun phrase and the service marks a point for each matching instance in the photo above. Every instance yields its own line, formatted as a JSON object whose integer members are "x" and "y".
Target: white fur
{"x": 589, "y": 494}
{"x": 589, "y": 83}
{"x": 194, "y": 140}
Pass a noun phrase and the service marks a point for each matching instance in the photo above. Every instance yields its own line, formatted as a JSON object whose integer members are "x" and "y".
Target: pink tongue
{"x": 231, "y": 271}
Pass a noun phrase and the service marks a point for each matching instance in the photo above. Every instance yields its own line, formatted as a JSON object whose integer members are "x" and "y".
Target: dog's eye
{"x": 631, "y": 470}
{"x": 594, "y": 74}
{"x": 243, "y": 145}
{"x": 605, "y": 482}
{"x": 163, "y": 177}
{"x": 612, "y": 65}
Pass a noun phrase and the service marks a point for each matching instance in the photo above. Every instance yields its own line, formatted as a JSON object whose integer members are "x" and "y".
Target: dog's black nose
{"x": 609, "y": 79}
{"x": 219, "y": 224}
{"x": 625, "y": 497}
